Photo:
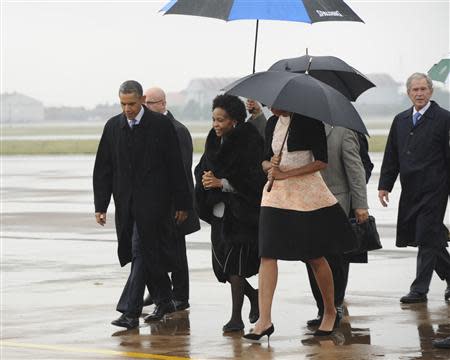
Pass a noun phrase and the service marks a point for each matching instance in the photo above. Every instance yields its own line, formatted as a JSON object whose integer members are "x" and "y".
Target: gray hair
{"x": 131, "y": 87}
{"x": 418, "y": 76}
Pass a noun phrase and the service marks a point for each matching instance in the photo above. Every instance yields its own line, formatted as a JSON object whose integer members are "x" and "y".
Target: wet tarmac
{"x": 60, "y": 281}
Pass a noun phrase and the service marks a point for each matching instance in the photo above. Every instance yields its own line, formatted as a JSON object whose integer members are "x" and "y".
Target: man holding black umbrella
{"x": 418, "y": 149}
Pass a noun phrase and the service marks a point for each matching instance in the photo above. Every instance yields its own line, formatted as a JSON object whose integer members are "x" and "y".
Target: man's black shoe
{"x": 447, "y": 293}
{"x": 413, "y": 298}
{"x": 160, "y": 310}
{"x": 315, "y": 322}
{"x": 126, "y": 322}
{"x": 148, "y": 300}
{"x": 442, "y": 343}
{"x": 181, "y": 305}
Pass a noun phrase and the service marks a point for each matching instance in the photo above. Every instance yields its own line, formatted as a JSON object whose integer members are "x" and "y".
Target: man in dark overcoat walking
{"x": 139, "y": 162}
{"x": 418, "y": 149}
{"x": 155, "y": 100}
{"x": 346, "y": 178}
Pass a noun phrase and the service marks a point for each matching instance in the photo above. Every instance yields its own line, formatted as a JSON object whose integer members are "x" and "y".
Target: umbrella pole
{"x": 269, "y": 187}
{"x": 256, "y": 43}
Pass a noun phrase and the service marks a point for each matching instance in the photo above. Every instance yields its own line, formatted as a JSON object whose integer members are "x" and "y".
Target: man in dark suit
{"x": 346, "y": 178}
{"x": 155, "y": 100}
{"x": 418, "y": 149}
{"x": 138, "y": 162}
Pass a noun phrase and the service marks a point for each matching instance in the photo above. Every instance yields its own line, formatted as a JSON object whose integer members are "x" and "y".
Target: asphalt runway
{"x": 60, "y": 281}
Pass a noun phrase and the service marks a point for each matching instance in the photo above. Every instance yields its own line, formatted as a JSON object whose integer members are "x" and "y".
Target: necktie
{"x": 132, "y": 123}
{"x": 416, "y": 117}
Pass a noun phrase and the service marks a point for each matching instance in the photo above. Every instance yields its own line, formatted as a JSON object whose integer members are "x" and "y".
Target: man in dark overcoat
{"x": 138, "y": 162}
{"x": 155, "y": 100}
{"x": 346, "y": 178}
{"x": 418, "y": 149}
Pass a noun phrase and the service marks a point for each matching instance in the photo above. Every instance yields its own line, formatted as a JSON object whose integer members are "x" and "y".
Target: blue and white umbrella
{"x": 307, "y": 11}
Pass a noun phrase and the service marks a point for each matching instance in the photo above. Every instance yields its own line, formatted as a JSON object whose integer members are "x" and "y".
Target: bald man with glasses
{"x": 155, "y": 100}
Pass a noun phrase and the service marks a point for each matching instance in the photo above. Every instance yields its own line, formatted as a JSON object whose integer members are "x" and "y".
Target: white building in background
{"x": 204, "y": 90}
{"x": 16, "y": 107}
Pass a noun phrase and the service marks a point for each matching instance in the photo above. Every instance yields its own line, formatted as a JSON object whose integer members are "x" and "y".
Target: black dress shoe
{"x": 230, "y": 327}
{"x": 319, "y": 332}
{"x": 181, "y": 305}
{"x": 126, "y": 322}
{"x": 413, "y": 297}
{"x": 253, "y": 316}
{"x": 442, "y": 343}
{"x": 315, "y": 322}
{"x": 148, "y": 300}
{"x": 447, "y": 293}
{"x": 160, "y": 310}
{"x": 252, "y": 337}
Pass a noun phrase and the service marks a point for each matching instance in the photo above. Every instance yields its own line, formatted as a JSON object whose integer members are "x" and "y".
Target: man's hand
{"x": 180, "y": 216}
{"x": 362, "y": 215}
{"x": 383, "y": 196}
{"x": 100, "y": 218}
{"x": 253, "y": 107}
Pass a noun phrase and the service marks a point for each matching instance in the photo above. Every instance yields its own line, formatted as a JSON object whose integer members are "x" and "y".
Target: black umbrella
{"x": 299, "y": 93}
{"x": 307, "y": 11}
{"x": 329, "y": 69}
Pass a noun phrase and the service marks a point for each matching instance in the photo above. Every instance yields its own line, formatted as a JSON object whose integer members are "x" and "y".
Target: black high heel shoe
{"x": 328, "y": 333}
{"x": 256, "y": 337}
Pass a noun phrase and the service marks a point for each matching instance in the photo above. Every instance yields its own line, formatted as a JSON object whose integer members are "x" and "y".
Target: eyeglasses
{"x": 153, "y": 102}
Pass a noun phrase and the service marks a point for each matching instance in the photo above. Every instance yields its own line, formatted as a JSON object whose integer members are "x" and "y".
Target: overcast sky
{"x": 77, "y": 53}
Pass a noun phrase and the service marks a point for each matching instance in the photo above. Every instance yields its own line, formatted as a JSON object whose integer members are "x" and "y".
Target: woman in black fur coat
{"x": 229, "y": 183}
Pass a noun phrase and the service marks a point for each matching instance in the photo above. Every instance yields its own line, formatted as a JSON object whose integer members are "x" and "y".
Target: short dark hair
{"x": 131, "y": 87}
{"x": 234, "y": 106}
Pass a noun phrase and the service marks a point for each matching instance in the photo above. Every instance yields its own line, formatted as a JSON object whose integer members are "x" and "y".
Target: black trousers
{"x": 339, "y": 268}
{"x": 130, "y": 302}
{"x": 179, "y": 277}
{"x": 430, "y": 259}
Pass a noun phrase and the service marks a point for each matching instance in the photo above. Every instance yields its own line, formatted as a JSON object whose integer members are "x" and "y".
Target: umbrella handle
{"x": 269, "y": 186}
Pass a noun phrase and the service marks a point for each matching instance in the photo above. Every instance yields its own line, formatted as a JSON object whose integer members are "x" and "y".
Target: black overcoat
{"x": 238, "y": 159}
{"x": 143, "y": 170}
{"x": 192, "y": 223}
{"x": 421, "y": 155}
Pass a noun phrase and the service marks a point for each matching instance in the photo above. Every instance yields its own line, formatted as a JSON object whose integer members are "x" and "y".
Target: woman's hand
{"x": 275, "y": 160}
{"x": 276, "y": 174}
{"x": 209, "y": 181}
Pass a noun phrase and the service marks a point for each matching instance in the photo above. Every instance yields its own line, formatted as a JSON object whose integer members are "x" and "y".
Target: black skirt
{"x": 303, "y": 235}
{"x": 231, "y": 259}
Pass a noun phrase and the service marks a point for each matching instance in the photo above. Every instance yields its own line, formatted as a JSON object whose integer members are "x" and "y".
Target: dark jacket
{"x": 238, "y": 159}
{"x": 143, "y": 170}
{"x": 192, "y": 223}
{"x": 421, "y": 155}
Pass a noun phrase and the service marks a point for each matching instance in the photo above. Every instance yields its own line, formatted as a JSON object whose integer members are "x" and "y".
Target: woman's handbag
{"x": 366, "y": 235}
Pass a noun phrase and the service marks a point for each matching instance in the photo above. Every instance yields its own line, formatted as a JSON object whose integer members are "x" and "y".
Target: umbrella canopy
{"x": 440, "y": 71}
{"x": 329, "y": 69}
{"x": 299, "y": 93}
{"x": 308, "y": 11}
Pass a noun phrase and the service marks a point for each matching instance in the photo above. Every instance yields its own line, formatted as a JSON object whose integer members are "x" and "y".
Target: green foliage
{"x": 44, "y": 147}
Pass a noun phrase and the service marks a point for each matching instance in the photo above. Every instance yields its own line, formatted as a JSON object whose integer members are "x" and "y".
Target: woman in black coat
{"x": 229, "y": 183}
